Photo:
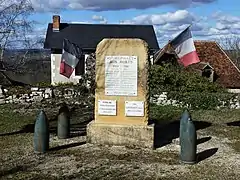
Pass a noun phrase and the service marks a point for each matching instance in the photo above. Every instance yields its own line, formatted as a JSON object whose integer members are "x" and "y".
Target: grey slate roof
{"x": 87, "y": 36}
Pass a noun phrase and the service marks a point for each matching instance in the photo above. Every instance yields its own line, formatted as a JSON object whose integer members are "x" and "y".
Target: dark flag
{"x": 71, "y": 55}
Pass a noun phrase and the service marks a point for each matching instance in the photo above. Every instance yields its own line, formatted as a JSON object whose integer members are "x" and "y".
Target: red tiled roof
{"x": 201, "y": 65}
{"x": 227, "y": 72}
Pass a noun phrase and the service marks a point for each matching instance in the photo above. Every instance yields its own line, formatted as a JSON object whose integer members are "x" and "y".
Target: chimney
{"x": 56, "y": 23}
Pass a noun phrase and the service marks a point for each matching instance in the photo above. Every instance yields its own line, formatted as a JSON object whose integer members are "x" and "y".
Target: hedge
{"x": 171, "y": 78}
{"x": 204, "y": 100}
{"x": 189, "y": 89}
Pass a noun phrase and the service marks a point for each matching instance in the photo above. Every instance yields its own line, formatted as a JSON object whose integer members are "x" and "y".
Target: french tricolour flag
{"x": 184, "y": 47}
{"x": 71, "y": 55}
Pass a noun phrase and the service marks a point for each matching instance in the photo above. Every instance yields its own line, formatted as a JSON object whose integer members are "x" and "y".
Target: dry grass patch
{"x": 74, "y": 159}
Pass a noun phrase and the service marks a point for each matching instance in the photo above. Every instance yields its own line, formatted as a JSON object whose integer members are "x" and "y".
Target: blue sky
{"x": 211, "y": 19}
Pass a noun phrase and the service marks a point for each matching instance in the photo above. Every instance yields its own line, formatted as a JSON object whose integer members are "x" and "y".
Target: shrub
{"x": 18, "y": 90}
{"x": 173, "y": 78}
{"x": 200, "y": 100}
{"x": 43, "y": 84}
{"x": 188, "y": 88}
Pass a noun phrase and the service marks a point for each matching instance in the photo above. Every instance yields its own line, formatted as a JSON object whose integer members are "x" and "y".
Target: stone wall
{"x": 164, "y": 100}
{"x": 72, "y": 96}
{"x": 35, "y": 95}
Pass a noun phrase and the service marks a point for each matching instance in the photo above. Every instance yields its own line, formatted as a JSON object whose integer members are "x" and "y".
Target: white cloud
{"x": 101, "y": 5}
{"x": 80, "y": 22}
{"x": 99, "y": 19}
{"x": 221, "y": 26}
{"x": 180, "y": 16}
{"x": 226, "y": 24}
{"x": 126, "y": 22}
{"x": 225, "y": 18}
{"x": 169, "y": 25}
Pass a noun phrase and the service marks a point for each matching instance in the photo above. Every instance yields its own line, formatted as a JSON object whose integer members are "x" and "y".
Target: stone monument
{"x": 121, "y": 95}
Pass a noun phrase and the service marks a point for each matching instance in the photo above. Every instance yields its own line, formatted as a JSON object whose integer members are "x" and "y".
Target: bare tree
{"x": 14, "y": 24}
{"x": 231, "y": 45}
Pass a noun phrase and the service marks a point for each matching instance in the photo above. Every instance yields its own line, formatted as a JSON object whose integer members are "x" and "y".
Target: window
{"x": 208, "y": 73}
{"x": 81, "y": 66}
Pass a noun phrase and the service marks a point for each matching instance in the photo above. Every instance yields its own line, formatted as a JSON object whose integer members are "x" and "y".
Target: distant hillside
{"x": 10, "y": 52}
{"x": 29, "y": 68}
{"x": 27, "y": 54}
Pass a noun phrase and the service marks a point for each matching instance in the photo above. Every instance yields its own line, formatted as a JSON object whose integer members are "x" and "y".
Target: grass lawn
{"x": 218, "y": 149}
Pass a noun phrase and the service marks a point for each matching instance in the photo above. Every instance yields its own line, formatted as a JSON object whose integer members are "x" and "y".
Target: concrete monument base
{"x": 133, "y": 136}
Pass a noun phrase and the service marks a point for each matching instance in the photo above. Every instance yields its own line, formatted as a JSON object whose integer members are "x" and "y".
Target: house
{"x": 205, "y": 69}
{"x": 215, "y": 64}
{"x": 87, "y": 37}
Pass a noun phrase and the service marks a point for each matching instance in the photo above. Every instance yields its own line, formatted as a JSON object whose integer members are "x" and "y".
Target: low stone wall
{"x": 234, "y": 91}
{"x": 72, "y": 96}
{"x": 164, "y": 100}
{"x": 35, "y": 95}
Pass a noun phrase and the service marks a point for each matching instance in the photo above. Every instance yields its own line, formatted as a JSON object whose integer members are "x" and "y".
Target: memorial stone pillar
{"x": 122, "y": 94}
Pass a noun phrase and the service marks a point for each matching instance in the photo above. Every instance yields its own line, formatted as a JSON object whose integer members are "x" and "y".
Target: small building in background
{"x": 205, "y": 69}
{"x": 214, "y": 64}
{"x": 87, "y": 37}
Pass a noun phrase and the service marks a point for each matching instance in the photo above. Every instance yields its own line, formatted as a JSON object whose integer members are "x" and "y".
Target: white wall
{"x": 151, "y": 59}
{"x": 234, "y": 90}
{"x": 56, "y": 77}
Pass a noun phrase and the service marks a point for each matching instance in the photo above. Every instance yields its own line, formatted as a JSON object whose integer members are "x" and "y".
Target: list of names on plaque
{"x": 121, "y": 75}
{"x": 134, "y": 108}
{"x": 107, "y": 107}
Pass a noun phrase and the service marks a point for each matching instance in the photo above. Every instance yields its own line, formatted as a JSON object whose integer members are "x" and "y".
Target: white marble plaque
{"x": 107, "y": 107}
{"x": 121, "y": 75}
{"x": 134, "y": 108}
